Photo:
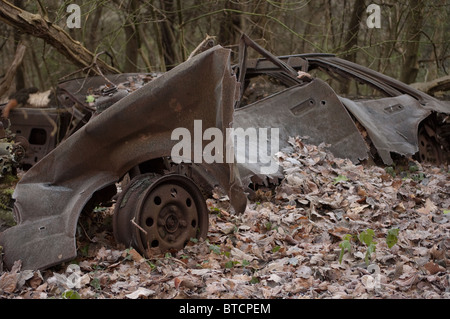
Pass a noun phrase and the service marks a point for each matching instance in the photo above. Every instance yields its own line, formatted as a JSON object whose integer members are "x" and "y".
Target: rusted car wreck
{"x": 128, "y": 136}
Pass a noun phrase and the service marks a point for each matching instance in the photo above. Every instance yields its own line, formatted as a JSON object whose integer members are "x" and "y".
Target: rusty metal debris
{"x": 393, "y": 121}
{"x": 134, "y": 133}
{"x": 119, "y": 129}
{"x": 314, "y": 109}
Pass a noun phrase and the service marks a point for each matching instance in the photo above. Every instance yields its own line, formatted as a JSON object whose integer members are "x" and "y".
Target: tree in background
{"x": 413, "y": 29}
{"x": 156, "y": 35}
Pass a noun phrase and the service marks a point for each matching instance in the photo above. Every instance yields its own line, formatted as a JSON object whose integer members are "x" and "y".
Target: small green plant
{"x": 417, "y": 177}
{"x": 275, "y": 249}
{"x": 152, "y": 265}
{"x": 231, "y": 263}
{"x": 71, "y": 294}
{"x": 345, "y": 245}
{"x": 84, "y": 250}
{"x": 392, "y": 237}
{"x": 167, "y": 255}
{"x": 215, "y": 249}
{"x": 95, "y": 283}
{"x": 390, "y": 170}
{"x": 340, "y": 178}
{"x": 366, "y": 237}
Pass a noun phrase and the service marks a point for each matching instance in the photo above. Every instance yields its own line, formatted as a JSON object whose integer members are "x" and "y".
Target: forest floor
{"x": 331, "y": 229}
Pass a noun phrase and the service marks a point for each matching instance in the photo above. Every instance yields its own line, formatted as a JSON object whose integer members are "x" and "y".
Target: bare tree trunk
{"x": 308, "y": 26}
{"x": 37, "y": 26}
{"x": 20, "y": 78}
{"x": 229, "y": 24}
{"x": 182, "y": 42}
{"x": 352, "y": 38}
{"x": 353, "y": 30}
{"x": 37, "y": 68}
{"x": 93, "y": 34}
{"x": 158, "y": 39}
{"x": 259, "y": 23}
{"x": 132, "y": 35}
{"x": 169, "y": 42}
{"x": 8, "y": 79}
{"x": 414, "y": 25}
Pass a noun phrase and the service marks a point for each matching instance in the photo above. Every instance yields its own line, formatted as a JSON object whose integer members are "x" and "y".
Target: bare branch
{"x": 36, "y": 25}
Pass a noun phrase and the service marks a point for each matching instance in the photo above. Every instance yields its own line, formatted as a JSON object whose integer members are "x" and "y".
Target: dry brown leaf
{"x": 290, "y": 241}
{"x": 428, "y": 208}
{"x": 407, "y": 280}
{"x": 400, "y": 207}
{"x": 433, "y": 268}
{"x": 8, "y": 282}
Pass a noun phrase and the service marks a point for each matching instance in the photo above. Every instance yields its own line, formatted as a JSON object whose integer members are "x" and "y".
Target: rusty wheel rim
{"x": 161, "y": 213}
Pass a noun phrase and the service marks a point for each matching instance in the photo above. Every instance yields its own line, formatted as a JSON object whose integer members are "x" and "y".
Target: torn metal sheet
{"x": 104, "y": 90}
{"x": 392, "y": 123}
{"x": 305, "y": 107}
{"x": 311, "y": 110}
{"x": 52, "y": 194}
{"x": 390, "y": 86}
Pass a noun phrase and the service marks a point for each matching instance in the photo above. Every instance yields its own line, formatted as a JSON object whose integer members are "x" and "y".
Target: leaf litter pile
{"x": 330, "y": 229}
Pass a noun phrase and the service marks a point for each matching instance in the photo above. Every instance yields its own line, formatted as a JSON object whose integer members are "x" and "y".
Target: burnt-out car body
{"x": 163, "y": 205}
{"x": 394, "y": 114}
{"x": 129, "y": 134}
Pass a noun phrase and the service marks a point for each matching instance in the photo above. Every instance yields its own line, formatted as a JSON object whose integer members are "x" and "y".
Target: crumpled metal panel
{"x": 392, "y": 123}
{"x": 311, "y": 110}
{"x": 52, "y": 194}
{"x": 77, "y": 89}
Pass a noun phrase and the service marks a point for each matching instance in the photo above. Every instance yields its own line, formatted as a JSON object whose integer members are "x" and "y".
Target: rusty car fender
{"x": 52, "y": 194}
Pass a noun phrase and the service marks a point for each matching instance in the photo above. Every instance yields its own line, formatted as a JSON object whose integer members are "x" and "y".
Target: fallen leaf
{"x": 407, "y": 280}
{"x": 240, "y": 255}
{"x": 304, "y": 272}
{"x": 139, "y": 293}
{"x": 8, "y": 282}
{"x": 429, "y": 207}
{"x": 177, "y": 281}
{"x": 24, "y": 276}
{"x": 226, "y": 228}
{"x": 36, "y": 281}
{"x": 433, "y": 268}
